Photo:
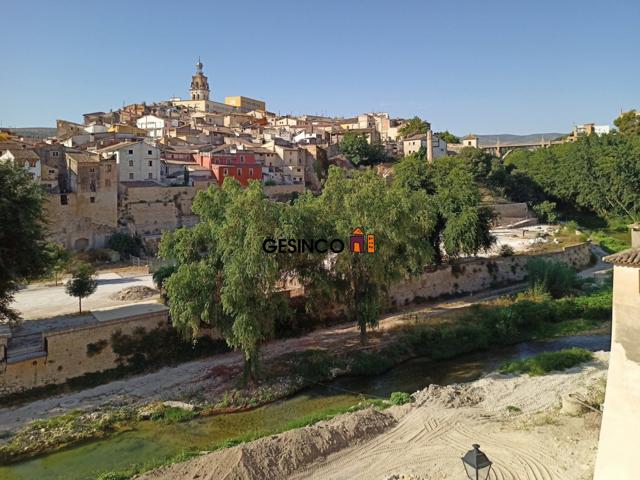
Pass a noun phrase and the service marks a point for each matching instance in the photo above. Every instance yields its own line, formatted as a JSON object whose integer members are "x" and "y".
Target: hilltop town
{"x": 137, "y": 169}
{"x": 228, "y": 261}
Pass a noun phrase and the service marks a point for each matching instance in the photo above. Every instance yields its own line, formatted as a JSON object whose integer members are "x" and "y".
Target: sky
{"x": 484, "y": 67}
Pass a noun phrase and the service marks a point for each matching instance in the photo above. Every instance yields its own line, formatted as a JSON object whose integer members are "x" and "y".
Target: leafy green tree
{"x": 412, "y": 127}
{"x": 83, "y": 282}
{"x": 400, "y": 219}
{"x": 224, "y": 278}
{"x": 462, "y": 225}
{"x": 356, "y": 148}
{"x": 59, "y": 258}
{"x": 628, "y": 123}
{"x": 23, "y": 252}
{"x": 448, "y": 137}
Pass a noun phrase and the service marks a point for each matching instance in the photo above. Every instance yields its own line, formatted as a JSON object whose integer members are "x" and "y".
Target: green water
{"x": 157, "y": 440}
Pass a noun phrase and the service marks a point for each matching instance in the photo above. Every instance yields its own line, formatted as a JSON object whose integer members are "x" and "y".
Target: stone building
{"x": 620, "y": 432}
{"x": 86, "y": 215}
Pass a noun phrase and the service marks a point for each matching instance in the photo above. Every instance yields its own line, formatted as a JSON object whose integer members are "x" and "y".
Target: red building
{"x": 227, "y": 161}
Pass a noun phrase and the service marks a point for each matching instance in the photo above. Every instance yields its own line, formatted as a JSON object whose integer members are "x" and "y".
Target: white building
{"x": 26, "y": 158}
{"x": 156, "y": 127}
{"x": 432, "y": 144}
{"x": 136, "y": 160}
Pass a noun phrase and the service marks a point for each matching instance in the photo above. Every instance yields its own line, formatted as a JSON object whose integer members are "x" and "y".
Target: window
{"x": 225, "y": 171}
{"x": 55, "y": 154}
{"x": 149, "y": 152}
{"x": 130, "y": 152}
{"x": 108, "y": 168}
{"x": 150, "y": 175}
{"x": 251, "y": 172}
{"x": 107, "y": 183}
{"x": 151, "y": 163}
{"x": 63, "y": 200}
{"x": 131, "y": 163}
{"x": 239, "y": 172}
{"x": 92, "y": 199}
{"x": 92, "y": 170}
{"x": 131, "y": 176}
{"x": 241, "y": 158}
{"x": 51, "y": 172}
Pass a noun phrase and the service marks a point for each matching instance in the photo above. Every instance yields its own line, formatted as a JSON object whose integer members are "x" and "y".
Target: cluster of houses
{"x": 137, "y": 169}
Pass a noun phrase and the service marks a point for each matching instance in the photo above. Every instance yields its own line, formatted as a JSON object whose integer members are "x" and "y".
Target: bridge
{"x": 501, "y": 150}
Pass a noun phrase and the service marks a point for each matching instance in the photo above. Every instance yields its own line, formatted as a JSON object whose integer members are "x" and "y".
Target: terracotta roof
{"x": 628, "y": 258}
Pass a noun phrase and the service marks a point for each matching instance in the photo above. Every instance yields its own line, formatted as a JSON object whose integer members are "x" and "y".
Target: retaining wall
{"x": 67, "y": 353}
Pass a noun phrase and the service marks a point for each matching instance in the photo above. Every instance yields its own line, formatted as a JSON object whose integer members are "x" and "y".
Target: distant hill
{"x": 35, "y": 132}
{"x": 506, "y": 138}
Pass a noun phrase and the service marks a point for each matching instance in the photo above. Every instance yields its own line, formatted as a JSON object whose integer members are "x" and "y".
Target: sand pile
{"x": 134, "y": 293}
{"x": 449, "y": 396}
{"x": 277, "y": 457}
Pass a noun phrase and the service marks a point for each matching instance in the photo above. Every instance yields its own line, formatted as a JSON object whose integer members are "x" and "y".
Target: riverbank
{"x": 430, "y": 334}
{"x": 516, "y": 420}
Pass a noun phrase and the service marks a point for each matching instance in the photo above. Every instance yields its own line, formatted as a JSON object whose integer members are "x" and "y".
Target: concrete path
{"x": 40, "y": 301}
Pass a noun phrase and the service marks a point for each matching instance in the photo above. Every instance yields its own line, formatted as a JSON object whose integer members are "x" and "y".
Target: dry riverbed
{"x": 516, "y": 420}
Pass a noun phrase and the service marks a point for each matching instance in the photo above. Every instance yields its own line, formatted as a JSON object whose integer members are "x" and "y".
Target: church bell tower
{"x": 199, "y": 84}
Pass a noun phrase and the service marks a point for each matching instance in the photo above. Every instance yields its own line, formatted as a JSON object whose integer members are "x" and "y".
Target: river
{"x": 154, "y": 440}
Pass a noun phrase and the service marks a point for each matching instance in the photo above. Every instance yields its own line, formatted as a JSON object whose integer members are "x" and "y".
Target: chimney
{"x": 635, "y": 235}
{"x": 429, "y": 146}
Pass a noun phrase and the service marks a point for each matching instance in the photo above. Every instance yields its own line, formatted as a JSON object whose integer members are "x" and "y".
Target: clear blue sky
{"x": 501, "y": 66}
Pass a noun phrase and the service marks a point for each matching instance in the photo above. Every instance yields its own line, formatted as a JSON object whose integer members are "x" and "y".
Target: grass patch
{"x": 173, "y": 415}
{"x": 548, "y": 362}
{"x": 513, "y": 409}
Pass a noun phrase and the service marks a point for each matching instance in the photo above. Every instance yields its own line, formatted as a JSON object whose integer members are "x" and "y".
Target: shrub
{"x": 548, "y": 361}
{"x": 400, "y": 398}
{"x": 161, "y": 275}
{"x": 555, "y": 277}
{"x": 506, "y": 251}
{"x": 125, "y": 244}
{"x": 546, "y": 212}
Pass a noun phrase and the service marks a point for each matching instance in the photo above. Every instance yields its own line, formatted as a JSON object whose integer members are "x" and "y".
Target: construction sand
{"x": 515, "y": 419}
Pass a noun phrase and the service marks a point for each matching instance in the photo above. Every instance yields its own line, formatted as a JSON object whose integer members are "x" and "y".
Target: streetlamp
{"x": 476, "y": 464}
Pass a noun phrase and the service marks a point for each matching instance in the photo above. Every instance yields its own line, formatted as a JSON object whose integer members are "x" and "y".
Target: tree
{"x": 448, "y": 137}
{"x": 462, "y": 225}
{"x": 628, "y": 123}
{"x": 82, "y": 283}
{"x": 59, "y": 258}
{"x": 356, "y": 148}
{"x": 413, "y": 127}
{"x": 23, "y": 253}
{"x": 224, "y": 277}
{"x": 399, "y": 219}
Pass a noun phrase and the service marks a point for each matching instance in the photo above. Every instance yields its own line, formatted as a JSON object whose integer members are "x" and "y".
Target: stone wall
{"x": 476, "y": 274}
{"x": 150, "y": 210}
{"x": 67, "y": 351}
{"x": 508, "y": 213}
{"x": 77, "y": 222}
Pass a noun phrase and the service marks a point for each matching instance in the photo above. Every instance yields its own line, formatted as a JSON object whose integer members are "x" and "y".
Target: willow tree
{"x": 224, "y": 279}
{"x": 399, "y": 220}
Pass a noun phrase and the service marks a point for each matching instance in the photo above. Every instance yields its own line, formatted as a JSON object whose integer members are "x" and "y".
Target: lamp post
{"x": 476, "y": 464}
